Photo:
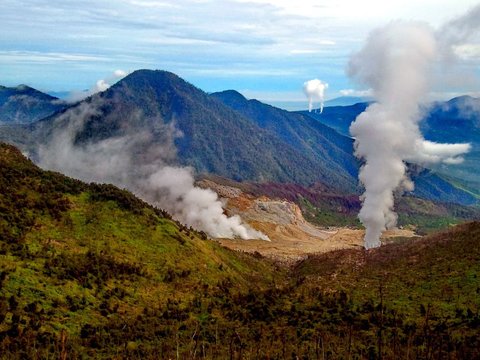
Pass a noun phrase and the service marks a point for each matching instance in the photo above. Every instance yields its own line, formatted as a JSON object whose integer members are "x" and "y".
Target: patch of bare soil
{"x": 291, "y": 237}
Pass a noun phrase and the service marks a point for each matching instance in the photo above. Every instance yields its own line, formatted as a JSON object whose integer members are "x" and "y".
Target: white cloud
{"x": 120, "y": 73}
{"x": 239, "y": 71}
{"x": 152, "y": 4}
{"x": 304, "y": 51}
{"x": 176, "y": 41}
{"x": 431, "y": 152}
{"x": 468, "y": 51}
{"x": 432, "y": 11}
{"x": 327, "y": 42}
{"x": 48, "y": 57}
{"x": 100, "y": 85}
{"x": 303, "y": 38}
{"x": 353, "y": 92}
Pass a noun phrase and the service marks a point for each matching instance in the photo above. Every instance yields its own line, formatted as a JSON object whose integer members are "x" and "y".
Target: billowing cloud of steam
{"x": 457, "y": 32}
{"x": 359, "y": 93}
{"x": 100, "y": 85}
{"x": 395, "y": 63}
{"x": 140, "y": 161}
{"x": 315, "y": 91}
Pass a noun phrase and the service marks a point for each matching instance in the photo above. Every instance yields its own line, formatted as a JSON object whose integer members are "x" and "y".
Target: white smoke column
{"x": 394, "y": 62}
{"x": 119, "y": 73}
{"x": 139, "y": 162}
{"x": 315, "y": 91}
{"x": 199, "y": 208}
{"x": 100, "y": 85}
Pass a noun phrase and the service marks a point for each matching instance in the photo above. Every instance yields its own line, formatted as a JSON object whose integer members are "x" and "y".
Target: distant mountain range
{"x": 298, "y": 105}
{"x": 215, "y": 138}
{"x": 23, "y": 104}
{"x": 457, "y": 120}
{"x": 319, "y": 143}
{"x": 223, "y": 134}
{"x": 347, "y": 100}
{"x": 338, "y": 118}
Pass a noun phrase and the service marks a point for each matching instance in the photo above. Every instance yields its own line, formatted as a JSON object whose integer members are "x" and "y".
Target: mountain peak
{"x": 23, "y": 87}
{"x": 147, "y": 75}
{"x": 24, "y": 104}
{"x": 231, "y": 94}
{"x": 463, "y": 100}
{"x": 157, "y": 83}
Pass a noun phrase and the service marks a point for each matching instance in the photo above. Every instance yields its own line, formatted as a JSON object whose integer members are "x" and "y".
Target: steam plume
{"x": 457, "y": 32}
{"x": 315, "y": 91}
{"x": 100, "y": 85}
{"x": 395, "y": 63}
{"x": 141, "y": 161}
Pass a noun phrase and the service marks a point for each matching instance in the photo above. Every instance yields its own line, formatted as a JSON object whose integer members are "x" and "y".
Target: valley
{"x": 292, "y": 238}
{"x": 239, "y": 179}
{"x": 92, "y": 265}
{"x": 89, "y": 270}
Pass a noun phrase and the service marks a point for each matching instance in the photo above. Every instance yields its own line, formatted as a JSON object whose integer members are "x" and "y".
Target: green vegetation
{"x": 422, "y": 295}
{"x": 428, "y": 217}
{"x": 468, "y": 182}
{"x": 332, "y": 152}
{"x": 324, "y": 207}
{"x": 225, "y": 134}
{"x": 74, "y": 256}
{"x": 323, "y": 214}
{"x": 90, "y": 271}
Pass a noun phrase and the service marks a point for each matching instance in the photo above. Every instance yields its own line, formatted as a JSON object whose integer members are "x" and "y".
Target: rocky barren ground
{"x": 291, "y": 237}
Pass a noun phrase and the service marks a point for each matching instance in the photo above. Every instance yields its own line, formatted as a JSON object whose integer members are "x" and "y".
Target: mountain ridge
{"x": 298, "y": 128}
{"x": 23, "y": 105}
{"x": 457, "y": 120}
{"x": 214, "y": 138}
{"x": 299, "y": 131}
{"x": 243, "y": 140}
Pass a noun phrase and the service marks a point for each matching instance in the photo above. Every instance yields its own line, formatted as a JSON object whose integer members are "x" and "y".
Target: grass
{"x": 92, "y": 272}
{"x": 441, "y": 270}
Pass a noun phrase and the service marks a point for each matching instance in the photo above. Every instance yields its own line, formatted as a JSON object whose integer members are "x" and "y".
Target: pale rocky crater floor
{"x": 291, "y": 236}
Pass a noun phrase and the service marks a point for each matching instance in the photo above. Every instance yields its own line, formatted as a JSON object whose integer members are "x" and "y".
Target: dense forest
{"x": 90, "y": 271}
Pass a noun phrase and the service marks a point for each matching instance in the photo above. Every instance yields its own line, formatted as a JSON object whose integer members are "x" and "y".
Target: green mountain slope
{"x": 211, "y": 137}
{"x": 313, "y": 134}
{"x": 222, "y": 134}
{"x": 310, "y": 137}
{"x": 89, "y": 271}
{"x": 75, "y": 256}
{"x": 416, "y": 298}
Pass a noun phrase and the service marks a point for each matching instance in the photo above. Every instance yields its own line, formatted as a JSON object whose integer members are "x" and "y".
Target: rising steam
{"x": 395, "y": 63}
{"x": 140, "y": 161}
{"x": 100, "y": 85}
{"x": 315, "y": 91}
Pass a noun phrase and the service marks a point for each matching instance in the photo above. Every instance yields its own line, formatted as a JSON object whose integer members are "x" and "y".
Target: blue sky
{"x": 264, "y": 48}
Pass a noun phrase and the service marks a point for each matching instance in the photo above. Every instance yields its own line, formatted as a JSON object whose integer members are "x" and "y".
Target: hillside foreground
{"x": 90, "y": 271}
